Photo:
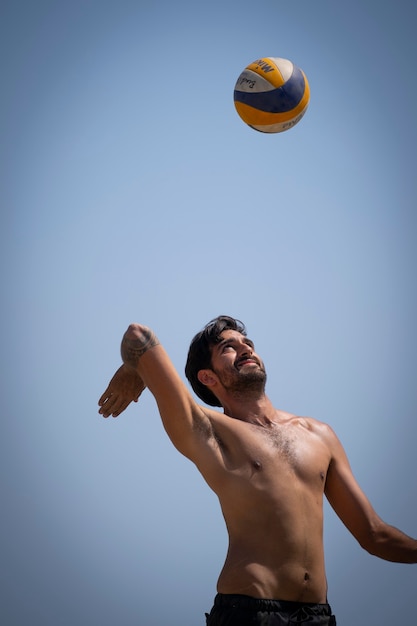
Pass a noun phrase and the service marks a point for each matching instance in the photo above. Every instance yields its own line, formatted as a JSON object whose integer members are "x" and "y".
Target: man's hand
{"x": 125, "y": 387}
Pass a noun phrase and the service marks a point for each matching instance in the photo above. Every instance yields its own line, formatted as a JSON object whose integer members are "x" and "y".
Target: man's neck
{"x": 254, "y": 410}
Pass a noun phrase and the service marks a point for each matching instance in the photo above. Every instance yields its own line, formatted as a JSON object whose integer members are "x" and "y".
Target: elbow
{"x": 133, "y": 331}
{"x": 374, "y": 538}
{"x": 383, "y": 542}
{"x": 136, "y": 341}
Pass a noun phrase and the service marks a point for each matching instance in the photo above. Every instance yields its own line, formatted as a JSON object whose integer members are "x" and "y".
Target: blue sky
{"x": 132, "y": 191}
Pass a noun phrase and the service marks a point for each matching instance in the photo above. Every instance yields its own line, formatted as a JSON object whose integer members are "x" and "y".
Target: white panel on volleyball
{"x": 251, "y": 82}
{"x": 284, "y": 66}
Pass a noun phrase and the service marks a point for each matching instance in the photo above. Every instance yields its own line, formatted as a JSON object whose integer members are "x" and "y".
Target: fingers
{"x": 125, "y": 386}
{"x": 105, "y": 409}
{"x": 112, "y": 405}
{"x": 108, "y": 404}
{"x": 104, "y": 397}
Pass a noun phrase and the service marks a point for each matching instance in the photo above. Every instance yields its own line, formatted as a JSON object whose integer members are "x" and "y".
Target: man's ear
{"x": 207, "y": 377}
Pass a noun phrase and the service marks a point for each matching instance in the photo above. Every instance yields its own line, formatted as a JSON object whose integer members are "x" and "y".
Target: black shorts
{"x": 239, "y": 610}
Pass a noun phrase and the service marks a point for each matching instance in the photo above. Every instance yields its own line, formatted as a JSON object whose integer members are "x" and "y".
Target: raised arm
{"x": 146, "y": 364}
{"x": 356, "y": 512}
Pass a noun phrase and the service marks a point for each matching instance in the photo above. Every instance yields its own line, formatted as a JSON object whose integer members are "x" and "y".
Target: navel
{"x": 257, "y": 465}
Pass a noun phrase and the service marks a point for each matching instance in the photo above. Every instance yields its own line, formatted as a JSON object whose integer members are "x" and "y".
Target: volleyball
{"x": 271, "y": 95}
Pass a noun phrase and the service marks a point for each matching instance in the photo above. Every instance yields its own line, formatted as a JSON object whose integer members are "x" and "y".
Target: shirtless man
{"x": 268, "y": 468}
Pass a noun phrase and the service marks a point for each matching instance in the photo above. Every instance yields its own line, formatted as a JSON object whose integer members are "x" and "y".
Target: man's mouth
{"x": 246, "y": 361}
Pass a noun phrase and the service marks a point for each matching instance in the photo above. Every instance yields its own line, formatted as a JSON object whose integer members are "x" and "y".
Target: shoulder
{"x": 323, "y": 430}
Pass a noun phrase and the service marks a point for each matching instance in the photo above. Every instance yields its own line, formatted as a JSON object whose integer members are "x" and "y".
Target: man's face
{"x": 236, "y": 363}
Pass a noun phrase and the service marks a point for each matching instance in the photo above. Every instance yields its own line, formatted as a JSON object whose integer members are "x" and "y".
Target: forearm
{"x": 391, "y": 544}
{"x": 142, "y": 351}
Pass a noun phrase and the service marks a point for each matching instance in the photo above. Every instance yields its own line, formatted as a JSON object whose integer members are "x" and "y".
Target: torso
{"x": 270, "y": 482}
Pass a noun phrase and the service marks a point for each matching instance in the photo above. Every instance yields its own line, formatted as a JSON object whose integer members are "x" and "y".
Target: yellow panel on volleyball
{"x": 256, "y": 117}
{"x": 266, "y": 67}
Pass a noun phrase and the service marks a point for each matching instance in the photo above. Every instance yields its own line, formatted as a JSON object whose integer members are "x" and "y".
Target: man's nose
{"x": 246, "y": 350}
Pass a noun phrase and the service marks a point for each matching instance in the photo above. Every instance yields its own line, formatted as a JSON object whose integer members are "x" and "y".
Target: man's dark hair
{"x": 199, "y": 354}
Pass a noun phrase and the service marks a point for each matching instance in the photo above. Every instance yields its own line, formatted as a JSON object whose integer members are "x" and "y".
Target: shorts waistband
{"x": 267, "y": 605}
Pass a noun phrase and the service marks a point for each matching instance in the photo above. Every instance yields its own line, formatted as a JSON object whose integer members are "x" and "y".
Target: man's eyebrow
{"x": 231, "y": 340}
{"x": 222, "y": 342}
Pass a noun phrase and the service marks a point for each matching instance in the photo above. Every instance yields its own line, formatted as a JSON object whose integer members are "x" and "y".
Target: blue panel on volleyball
{"x": 278, "y": 100}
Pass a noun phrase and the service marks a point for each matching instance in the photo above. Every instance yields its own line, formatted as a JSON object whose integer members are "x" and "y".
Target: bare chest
{"x": 277, "y": 452}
